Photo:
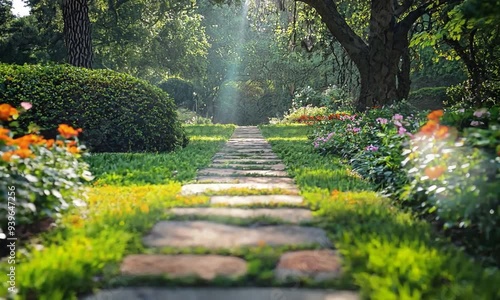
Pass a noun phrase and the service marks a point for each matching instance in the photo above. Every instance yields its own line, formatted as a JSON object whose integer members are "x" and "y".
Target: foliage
{"x": 304, "y": 164}
{"x": 388, "y": 253}
{"x": 119, "y": 113}
{"x": 371, "y": 141}
{"x": 40, "y": 178}
{"x": 454, "y": 180}
{"x": 429, "y": 98}
{"x": 182, "y": 91}
{"x": 187, "y": 116}
{"x": 161, "y": 168}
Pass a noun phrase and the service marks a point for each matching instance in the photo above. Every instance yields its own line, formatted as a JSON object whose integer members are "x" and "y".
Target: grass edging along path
{"x": 131, "y": 192}
{"x": 387, "y": 252}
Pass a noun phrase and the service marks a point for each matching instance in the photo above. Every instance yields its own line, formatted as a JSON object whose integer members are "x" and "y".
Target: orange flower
{"x": 59, "y": 143}
{"x": 49, "y": 143}
{"x": 25, "y": 141}
{"x": 23, "y": 153}
{"x": 430, "y": 127}
{"x": 435, "y": 115}
{"x": 442, "y": 132}
{"x": 434, "y": 172}
{"x": 7, "y": 112}
{"x": 73, "y": 150}
{"x": 7, "y": 155}
{"x": 4, "y": 134}
{"x": 68, "y": 132}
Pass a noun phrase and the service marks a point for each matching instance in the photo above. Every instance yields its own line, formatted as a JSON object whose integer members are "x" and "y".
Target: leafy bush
{"x": 454, "y": 180}
{"x": 428, "y": 98}
{"x": 119, "y": 113}
{"x": 302, "y": 114}
{"x": 40, "y": 178}
{"x": 462, "y": 95}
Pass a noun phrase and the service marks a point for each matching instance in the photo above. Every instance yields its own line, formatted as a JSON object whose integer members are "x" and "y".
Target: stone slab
{"x": 237, "y": 172}
{"x": 316, "y": 264}
{"x": 257, "y": 199}
{"x": 292, "y": 215}
{"x": 245, "y": 156}
{"x": 247, "y": 161}
{"x": 275, "y": 167}
{"x": 175, "y": 266}
{"x": 200, "y": 188}
{"x": 220, "y": 236}
{"x": 245, "y": 150}
{"x": 196, "y": 293}
{"x": 246, "y": 179}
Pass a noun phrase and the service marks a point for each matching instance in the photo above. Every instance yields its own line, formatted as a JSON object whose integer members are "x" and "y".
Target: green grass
{"x": 388, "y": 253}
{"x": 160, "y": 168}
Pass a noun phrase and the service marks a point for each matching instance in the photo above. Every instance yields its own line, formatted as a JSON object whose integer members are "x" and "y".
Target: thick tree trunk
{"x": 383, "y": 60}
{"x": 77, "y": 34}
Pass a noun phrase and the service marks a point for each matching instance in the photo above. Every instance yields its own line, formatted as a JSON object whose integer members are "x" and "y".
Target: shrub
{"x": 119, "y": 112}
{"x": 462, "y": 94}
{"x": 454, "y": 181}
{"x": 428, "y": 98}
{"x": 40, "y": 178}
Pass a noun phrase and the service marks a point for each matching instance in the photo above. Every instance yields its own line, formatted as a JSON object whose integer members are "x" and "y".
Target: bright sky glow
{"x": 19, "y": 9}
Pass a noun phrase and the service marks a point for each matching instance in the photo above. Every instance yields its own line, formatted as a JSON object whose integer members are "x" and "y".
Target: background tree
{"x": 381, "y": 51}
{"x": 77, "y": 32}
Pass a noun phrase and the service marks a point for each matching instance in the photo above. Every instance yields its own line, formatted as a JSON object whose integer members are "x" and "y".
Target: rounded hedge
{"x": 118, "y": 113}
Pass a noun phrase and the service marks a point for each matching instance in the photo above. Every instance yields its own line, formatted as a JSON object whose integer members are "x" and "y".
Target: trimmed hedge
{"x": 428, "y": 98}
{"x": 118, "y": 113}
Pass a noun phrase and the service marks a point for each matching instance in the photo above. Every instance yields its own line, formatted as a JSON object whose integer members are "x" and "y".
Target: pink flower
{"x": 476, "y": 123}
{"x": 26, "y": 105}
{"x": 397, "y": 123}
{"x": 401, "y": 130}
{"x": 398, "y": 117}
{"x": 381, "y": 120}
{"x": 371, "y": 148}
{"x": 356, "y": 129}
{"x": 481, "y": 113}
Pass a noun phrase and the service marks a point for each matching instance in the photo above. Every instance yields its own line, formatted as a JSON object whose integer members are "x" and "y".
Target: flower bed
{"x": 447, "y": 168}
{"x": 40, "y": 177}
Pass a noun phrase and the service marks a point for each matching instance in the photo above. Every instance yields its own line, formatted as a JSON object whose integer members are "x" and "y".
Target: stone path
{"x": 246, "y": 162}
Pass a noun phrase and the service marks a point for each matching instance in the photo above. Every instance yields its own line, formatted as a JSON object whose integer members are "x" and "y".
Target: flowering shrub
{"x": 372, "y": 141}
{"x": 40, "y": 177}
{"x": 454, "y": 179}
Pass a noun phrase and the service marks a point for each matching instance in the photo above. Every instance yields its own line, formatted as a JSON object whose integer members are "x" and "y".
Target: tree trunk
{"x": 383, "y": 60}
{"x": 77, "y": 34}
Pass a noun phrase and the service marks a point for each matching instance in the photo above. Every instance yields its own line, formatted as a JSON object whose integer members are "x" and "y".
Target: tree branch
{"x": 352, "y": 43}
{"x": 399, "y": 10}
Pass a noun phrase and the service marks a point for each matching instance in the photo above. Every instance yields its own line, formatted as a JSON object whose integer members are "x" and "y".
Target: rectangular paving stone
{"x": 221, "y": 236}
{"x": 200, "y": 188}
{"x": 275, "y": 167}
{"x": 177, "y": 266}
{"x": 245, "y": 179}
{"x": 197, "y": 293}
{"x": 245, "y": 156}
{"x": 245, "y": 150}
{"x": 247, "y": 161}
{"x": 257, "y": 199}
{"x": 291, "y": 215}
{"x": 236, "y": 172}
{"x": 318, "y": 265}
